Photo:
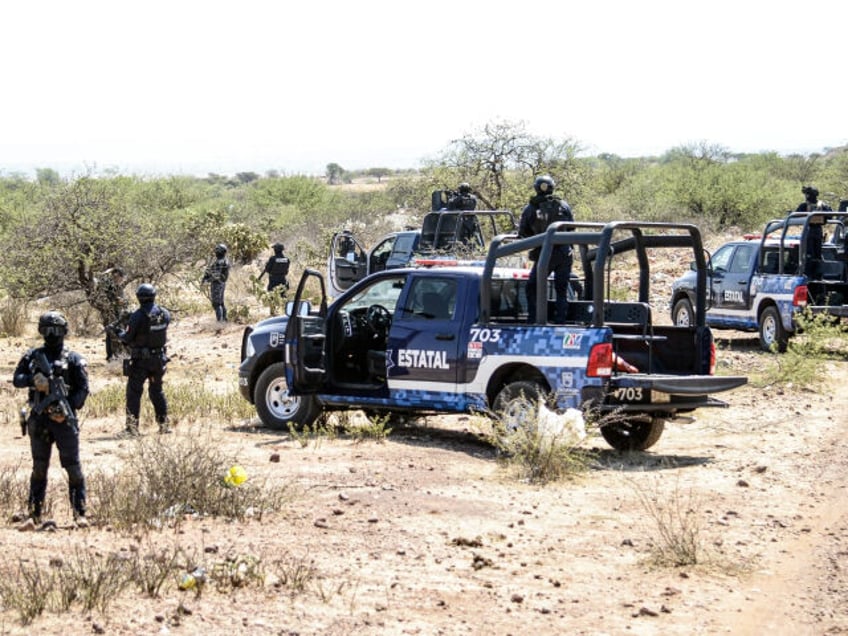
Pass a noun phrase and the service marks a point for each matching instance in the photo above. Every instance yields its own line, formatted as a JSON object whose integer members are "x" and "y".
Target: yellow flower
{"x": 235, "y": 476}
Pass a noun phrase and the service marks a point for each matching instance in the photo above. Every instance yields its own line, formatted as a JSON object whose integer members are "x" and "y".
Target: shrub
{"x": 817, "y": 339}
{"x": 544, "y": 446}
{"x": 163, "y": 479}
{"x": 676, "y": 534}
{"x": 14, "y": 316}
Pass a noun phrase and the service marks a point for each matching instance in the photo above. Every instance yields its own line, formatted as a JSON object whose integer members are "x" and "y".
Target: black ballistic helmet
{"x": 464, "y": 188}
{"x": 146, "y": 293}
{"x": 810, "y": 192}
{"x": 220, "y": 250}
{"x": 544, "y": 185}
{"x": 52, "y": 325}
{"x": 278, "y": 248}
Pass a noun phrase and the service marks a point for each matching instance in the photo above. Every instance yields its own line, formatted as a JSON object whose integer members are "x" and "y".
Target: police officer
{"x": 543, "y": 209}
{"x": 48, "y": 422}
{"x": 146, "y": 336}
{"x": 277, "y": 268}
{"x": 815, "y": 235}
{"x": 462, "y": 199}
{"x": 112, "y": 304}
{"x": 216, "y": 275}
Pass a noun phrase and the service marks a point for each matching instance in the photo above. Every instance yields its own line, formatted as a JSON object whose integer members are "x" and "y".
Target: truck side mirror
{"x": 303, "y": 310}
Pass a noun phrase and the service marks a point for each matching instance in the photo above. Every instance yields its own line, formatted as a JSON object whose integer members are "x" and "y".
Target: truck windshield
{"x": 385, "y": 292}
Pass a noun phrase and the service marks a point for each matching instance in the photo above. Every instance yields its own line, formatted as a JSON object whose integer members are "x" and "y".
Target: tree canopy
{"x": 59, "y": 235}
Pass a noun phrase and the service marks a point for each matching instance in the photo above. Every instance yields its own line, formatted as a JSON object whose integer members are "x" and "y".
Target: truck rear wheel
{"x": 276, "y": 407}
{"x": 517, "y": 405}
{"x": 772, "y": 333}
{"x": 630, "y": 435}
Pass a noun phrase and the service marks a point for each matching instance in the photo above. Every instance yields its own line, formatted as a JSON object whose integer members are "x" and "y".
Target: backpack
{"x": 550, "y": 210}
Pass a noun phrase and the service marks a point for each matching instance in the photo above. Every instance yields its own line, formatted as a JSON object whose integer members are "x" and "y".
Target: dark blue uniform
{"x": 815, "y": 237}
{"x": 146, "y": 335}
{"x": 216, "y": 275}
{"x": 44, "y": 431}
{"x": 277, "y": 268}
{"x": 530, "y": 224}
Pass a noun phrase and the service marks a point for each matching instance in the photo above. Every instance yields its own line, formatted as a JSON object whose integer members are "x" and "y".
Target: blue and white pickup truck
{"x": 455, "y": 339}
{"x": 762, "y": 282}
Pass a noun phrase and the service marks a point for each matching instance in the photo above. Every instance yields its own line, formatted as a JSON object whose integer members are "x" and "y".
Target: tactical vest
{"x": 156, "y": 334}
{"x": 549, "y": 210}
{"x": 61, "y": 367}
{"x": 279, "y": 267}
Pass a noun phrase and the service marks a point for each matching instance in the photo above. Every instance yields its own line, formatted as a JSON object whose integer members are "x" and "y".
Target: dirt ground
{"x": 427, "y": 533}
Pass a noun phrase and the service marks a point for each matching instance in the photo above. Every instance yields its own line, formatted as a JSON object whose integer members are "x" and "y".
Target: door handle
{"x": 445, "y": 336}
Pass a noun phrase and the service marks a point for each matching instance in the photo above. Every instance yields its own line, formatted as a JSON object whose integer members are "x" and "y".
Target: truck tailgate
{"x": 679, "y": 384}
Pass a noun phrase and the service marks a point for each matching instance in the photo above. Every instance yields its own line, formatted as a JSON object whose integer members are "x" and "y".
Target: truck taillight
{"x": 600, "y": 361}
{"x": 799, "y": 298}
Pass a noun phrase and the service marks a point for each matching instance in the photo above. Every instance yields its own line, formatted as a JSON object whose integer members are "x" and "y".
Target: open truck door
{"x": 347, "y": 263}
{"x": 305, "y": 339}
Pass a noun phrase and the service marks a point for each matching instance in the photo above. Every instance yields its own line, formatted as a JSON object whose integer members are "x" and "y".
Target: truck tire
{"x": 517, "y": 404}
{"x": 276, "y": 408}
{"x": 683, "y": 315}
{"x": 772, "y": 334}
{"x": 633, "y": 434}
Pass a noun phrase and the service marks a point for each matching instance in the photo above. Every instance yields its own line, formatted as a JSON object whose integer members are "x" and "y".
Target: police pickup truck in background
{"x": 761, "y": 283}
{"x": 456, "y": 340}
{"x": 443, "y": 235}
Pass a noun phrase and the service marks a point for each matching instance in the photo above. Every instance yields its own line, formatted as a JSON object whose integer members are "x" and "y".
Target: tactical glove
{"x": 41, "y": 383}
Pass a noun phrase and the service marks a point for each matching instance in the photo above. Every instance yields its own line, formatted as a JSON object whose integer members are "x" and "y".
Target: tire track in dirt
{"x": 802, "y": 588}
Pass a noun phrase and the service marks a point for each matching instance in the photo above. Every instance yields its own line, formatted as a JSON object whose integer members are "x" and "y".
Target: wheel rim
{"x": 280, "y": 404}
{"x": 769, "y": 329}
{"x": 517, "y": 413}
{"x": 683, "y": 319}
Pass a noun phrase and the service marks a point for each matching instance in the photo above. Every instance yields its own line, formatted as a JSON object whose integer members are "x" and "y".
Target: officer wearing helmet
{"x": 463, "y": 199}
{"x": 216, "y": 274}
{"x": 815, "y": 235}
{"x": 543, "y": 209}
{"x": 47, "y": 422}
{"x": 277, "y": 268}
{"x": 146, "y": 337}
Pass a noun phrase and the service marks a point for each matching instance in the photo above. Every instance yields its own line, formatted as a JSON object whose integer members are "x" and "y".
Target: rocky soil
{"x": 428, "y": 533}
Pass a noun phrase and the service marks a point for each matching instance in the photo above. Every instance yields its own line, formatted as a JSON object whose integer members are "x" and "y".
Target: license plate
{"x": 639, "y": 395}
{"x": 631, "y": 395}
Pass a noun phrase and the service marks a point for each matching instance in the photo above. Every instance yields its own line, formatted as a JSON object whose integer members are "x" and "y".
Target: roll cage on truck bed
{"x": 382, "y": 348}
{"x": 765, "y": 282}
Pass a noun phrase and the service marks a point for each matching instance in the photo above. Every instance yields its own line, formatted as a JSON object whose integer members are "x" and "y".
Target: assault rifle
{"x": 56, "y": 400}
{"x": 118, "y": 324}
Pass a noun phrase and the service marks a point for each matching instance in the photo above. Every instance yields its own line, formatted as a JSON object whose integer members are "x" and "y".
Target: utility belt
{"x": 142, "y": 353}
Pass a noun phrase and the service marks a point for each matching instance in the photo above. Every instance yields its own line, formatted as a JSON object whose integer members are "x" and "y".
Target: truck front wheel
{"x": 772, "y": 334}
{"x": 276, "y": 407}
{"x": 633, "y": 434}
{"x": 683, "y": 315}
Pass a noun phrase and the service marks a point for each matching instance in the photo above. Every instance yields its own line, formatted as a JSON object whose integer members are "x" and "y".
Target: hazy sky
{"x": 197, "y": 86}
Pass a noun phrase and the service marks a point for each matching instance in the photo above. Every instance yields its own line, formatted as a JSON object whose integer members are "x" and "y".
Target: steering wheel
{"x": 379, "y": 319}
